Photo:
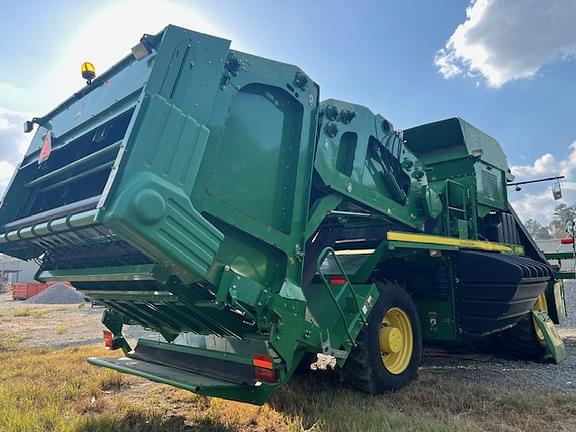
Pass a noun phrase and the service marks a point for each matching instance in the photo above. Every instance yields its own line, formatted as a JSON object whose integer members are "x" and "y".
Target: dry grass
{"x": 56, "y": 390}
{"x": 433, "y": 403}
{"x": 61, "y": 329}
{"x": 49, "y": 390}
{"x": 25, "y": 311}
{"x": 33, "y": 312}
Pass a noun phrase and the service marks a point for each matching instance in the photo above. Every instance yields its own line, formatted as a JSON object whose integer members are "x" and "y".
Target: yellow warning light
{"x": 88, "y": 72}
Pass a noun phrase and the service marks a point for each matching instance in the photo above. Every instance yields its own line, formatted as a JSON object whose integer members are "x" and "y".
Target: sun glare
{"x": 107, "y": 36}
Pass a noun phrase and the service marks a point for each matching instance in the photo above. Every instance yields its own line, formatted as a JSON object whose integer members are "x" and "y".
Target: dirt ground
{"x": 514, "y": 374}
{"x": 59, "y": 326}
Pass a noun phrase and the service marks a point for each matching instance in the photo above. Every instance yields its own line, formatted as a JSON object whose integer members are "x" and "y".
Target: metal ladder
{"x": 340, "y": 293}
{"x": 454, "y": 213}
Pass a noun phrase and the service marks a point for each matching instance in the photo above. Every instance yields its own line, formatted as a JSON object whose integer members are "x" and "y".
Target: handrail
{"x": 74, "y": 164}
{"x": 329, "y": 251}
{"x": 78, "y": 176}
{"x": 448, "y": 202}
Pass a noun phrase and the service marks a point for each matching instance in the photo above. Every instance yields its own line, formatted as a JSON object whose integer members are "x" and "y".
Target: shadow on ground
{"x": 138, "y": 422}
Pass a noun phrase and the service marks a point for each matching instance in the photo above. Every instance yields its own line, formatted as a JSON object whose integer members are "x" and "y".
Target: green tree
{"x": 537, "y": 230}
{"x": 562, "y": 214}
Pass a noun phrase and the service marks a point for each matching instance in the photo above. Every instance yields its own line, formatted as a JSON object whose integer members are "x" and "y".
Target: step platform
{"x": 210, "y": 373}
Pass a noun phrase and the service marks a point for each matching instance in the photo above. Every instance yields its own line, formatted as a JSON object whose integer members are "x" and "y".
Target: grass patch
{"x": 433, "y": 403}
{"x": 56, "y": 390}
{"x": 31, "y": 312}
{"x": 61, "y": 329}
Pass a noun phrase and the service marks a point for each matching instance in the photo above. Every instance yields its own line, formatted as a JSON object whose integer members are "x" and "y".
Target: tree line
{"x": 555, "y": 229}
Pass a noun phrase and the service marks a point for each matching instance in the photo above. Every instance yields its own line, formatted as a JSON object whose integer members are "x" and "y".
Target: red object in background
{"x": 567, "y": 240}
{"x": 23, "y": 291}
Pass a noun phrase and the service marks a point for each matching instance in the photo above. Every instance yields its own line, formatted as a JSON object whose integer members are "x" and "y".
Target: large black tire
{"x": 364, "y": 367}
{"x": 522, "y": 341}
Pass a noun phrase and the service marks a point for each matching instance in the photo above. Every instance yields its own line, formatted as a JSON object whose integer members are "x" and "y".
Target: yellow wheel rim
{"x": 396, "y": 341}
{"x": 542, "y": 305}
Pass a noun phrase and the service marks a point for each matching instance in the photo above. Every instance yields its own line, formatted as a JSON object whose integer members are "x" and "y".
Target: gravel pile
{"x": 58, "y": 293}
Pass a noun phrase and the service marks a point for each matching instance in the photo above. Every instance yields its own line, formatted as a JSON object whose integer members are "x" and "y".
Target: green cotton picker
{"x": 210, "y": 195}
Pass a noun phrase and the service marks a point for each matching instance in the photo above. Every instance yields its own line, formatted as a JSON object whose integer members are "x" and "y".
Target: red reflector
{"x": 109, "y": 341}
{"x": 567, "y": 240}
{"x": 262, "y": 361}
{"x": 264, "y": 368}
{"x": 46, "y": 148}
{"x": 268, "y": 375}
{"x": 337, "y": 280}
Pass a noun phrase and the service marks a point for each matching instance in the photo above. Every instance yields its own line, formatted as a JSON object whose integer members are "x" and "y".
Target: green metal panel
{"x": 131, "y": 273}
{"x": 565, "y": 275}
{"x": 362, "y": 180}
{"x": 454, "y": 149}
{"x": 122, "y": 81}
{"x": 454, "y": 139}
{"x": 554, "y": 344}
{"x": 254, "y": 180}
{"x": 559, "y": 255}
{"x": 266, "y": 121}
{"x": 150, "y": 201}
{"x": 188, "y": 70}
{"x": 438, "y": 319}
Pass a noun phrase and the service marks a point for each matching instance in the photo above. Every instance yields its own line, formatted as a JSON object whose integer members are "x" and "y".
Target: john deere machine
{"x": 209, "y": 195}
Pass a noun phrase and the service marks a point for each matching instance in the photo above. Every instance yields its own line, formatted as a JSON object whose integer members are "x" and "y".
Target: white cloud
{"x": 6, "y": 171}
{"x": 13, "y": 143}
{"x": 547, "y": 165}
{"x": 535, "y": 200}
{"x": 540, "y": 205}
{"x": 504, "y": 40}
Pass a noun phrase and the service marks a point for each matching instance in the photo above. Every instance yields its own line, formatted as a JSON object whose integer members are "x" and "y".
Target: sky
{"x": 506, "y": 66}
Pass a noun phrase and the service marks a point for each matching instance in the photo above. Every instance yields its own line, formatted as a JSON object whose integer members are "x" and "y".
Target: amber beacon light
{"x": 88, "y": 72}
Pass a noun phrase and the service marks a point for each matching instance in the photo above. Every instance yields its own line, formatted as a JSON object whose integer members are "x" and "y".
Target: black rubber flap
{"x": 229, "y": 371}
{"x": 494, "y": 291}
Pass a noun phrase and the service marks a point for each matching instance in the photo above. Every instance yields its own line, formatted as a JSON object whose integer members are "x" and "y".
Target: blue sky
{"x": 506, "y": 66}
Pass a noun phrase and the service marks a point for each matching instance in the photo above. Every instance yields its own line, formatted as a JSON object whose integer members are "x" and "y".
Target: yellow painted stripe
{"x": 355, "y": 252}
{"x": 448, "y": 241}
